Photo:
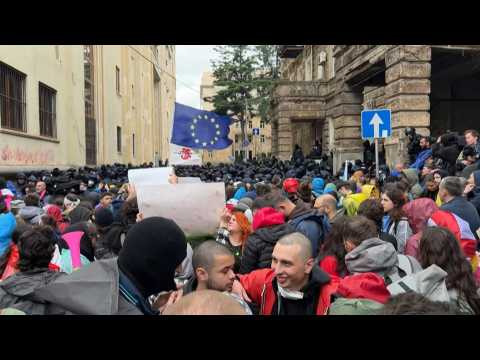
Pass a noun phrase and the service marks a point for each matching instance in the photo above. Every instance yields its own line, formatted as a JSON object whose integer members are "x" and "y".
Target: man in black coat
{"x": 269, "y": 226}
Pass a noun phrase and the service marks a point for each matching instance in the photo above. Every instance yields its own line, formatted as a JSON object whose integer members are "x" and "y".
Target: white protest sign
{"x": 188, "y": 180}
{"x": 195, "y": 207}
{"x": 182, "y": 155}
{"x": 150, "y": 176}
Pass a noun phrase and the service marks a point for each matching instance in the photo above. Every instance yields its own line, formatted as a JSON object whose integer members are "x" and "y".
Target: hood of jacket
{"x": 302, "y": 211}
{"x": 31, "y": 214}
{"x": 273, "y": 233}
{"x": 329, "y": 188}
{"x": 24, "y": 284}
{"x": 317, "y": 278}
{"x": 430, "y": 282}
{"x": 318, "y": 185}
{"x": 267, "y": 217}
{"x": 418, "y": 212}
{"x": 367, "y": 190}
{"x": 411, "y": 175}
{"x": 372, "y": 255}
{"x": 98, "y": 283}
{"x": 364, "y": 286}
{"x": 240, "y": 193}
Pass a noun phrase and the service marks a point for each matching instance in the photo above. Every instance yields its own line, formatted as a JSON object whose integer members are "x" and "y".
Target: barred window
{"x": 250, "y": 124}
{"x": 90, "y": 122}
{"x": 119, "y": 139}
{"x": 117, "y": 79}
{"x": 133, "y": 145}
{"x": 12, "y": 98}
{"x": 48, "y": 110}
{"x": 262, "y": 138}
{"x": 262, "y": 124}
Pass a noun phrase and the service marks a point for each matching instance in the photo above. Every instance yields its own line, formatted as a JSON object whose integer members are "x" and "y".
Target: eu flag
{"x": 200, "y": 129}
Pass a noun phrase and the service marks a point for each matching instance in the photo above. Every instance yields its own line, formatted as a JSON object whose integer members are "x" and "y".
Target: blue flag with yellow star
{"x": 200, "y": 129}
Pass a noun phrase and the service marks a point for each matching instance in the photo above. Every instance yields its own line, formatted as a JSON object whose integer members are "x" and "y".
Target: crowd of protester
{"x": 293, "y": 239}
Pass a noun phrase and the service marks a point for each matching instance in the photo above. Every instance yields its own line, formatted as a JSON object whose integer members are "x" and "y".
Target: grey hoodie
{"x": 372, "y": 255}
{"x": 31, "y": 214}
{"x": 92, "y": 290}
{"x": 18, "y": 291}
{"x": 430, "y": 283}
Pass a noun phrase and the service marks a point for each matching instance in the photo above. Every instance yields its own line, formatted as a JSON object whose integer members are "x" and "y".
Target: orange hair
{"x": 244, "y": 224}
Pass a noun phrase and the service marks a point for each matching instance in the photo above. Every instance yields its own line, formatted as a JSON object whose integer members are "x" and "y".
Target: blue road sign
{"x": 256, "y": 131}
{"x": 376, "y": 123}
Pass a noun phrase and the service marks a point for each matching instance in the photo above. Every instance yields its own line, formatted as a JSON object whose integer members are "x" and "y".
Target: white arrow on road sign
{"x": 376, "y": 122}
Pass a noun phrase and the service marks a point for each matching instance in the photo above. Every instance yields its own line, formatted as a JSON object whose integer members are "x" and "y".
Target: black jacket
{"x": 259, "y": 247}
{"x": 109, "y": 243}
{"x": 91, "y": 196}
{"x": 430, "y": 194}
{"x": 389, "y": 238}
{"x": 307, "y": 305}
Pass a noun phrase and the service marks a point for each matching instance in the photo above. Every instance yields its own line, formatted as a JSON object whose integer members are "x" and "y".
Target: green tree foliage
{"x": 245, "y": 76}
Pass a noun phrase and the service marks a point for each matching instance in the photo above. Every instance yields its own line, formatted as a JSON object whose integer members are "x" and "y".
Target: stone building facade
{"x": 76, "y": 105}
{"x": 324, "y": 88}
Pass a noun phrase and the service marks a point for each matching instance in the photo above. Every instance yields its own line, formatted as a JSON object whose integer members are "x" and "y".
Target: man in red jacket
{"x": 294, "y": 285}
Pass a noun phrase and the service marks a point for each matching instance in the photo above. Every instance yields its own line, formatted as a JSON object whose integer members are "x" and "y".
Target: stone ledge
{"x": 408, "y": 87}
{"x": 28, "y": 136}
{"x": 408, "y": 102}
{"x": 410, "y": 53}
{"x": 407, "y": 70}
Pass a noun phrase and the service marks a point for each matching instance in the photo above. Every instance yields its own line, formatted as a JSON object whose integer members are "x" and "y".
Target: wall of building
{"x": 143, "y": 107}
{"x": 61, "y": 68}
{"x": 348, "y": 75}
{"x": 167, "y": 84}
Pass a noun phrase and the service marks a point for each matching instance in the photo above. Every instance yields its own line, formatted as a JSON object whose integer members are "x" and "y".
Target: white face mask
{"x": 290, "y": 294}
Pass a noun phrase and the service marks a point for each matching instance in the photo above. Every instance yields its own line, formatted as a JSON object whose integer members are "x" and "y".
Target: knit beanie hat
{"x": 103, "y": 217}
{"x": 247, "y": 201}
{"x": 291, "y": 185}
{"x": 151, "y": 252}
{"x": 79, "y": 214}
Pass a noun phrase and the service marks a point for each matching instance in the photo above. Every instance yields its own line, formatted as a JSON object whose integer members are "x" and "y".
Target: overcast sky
{"x": 192, "y": 61}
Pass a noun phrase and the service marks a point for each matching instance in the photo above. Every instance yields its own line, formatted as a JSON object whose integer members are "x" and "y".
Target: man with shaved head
{"x": 294, "y": 285}
{"x": 206, "y": 302}
{"x": 213, "y": 264}
{"x": 327, "y": 205}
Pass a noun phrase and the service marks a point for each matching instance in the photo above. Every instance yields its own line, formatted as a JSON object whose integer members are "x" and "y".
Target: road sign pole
{"x": 377, "y": 168}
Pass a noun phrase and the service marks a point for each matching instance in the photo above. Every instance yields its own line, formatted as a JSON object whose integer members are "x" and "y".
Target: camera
{"x": 414, "y": 143}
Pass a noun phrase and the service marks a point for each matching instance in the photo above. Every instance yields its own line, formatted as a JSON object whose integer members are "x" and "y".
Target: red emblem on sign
{"x": 186, "y": 153}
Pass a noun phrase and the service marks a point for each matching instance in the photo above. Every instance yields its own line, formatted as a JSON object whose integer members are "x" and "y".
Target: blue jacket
{"x": 310, "y": 223}
{"x": 240, "y": 193}
{"x": 464, "y": 209}
{"x": 7, "y": 227}
{"x": 474, "y": 196}
{"x": 421, "y": 158}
